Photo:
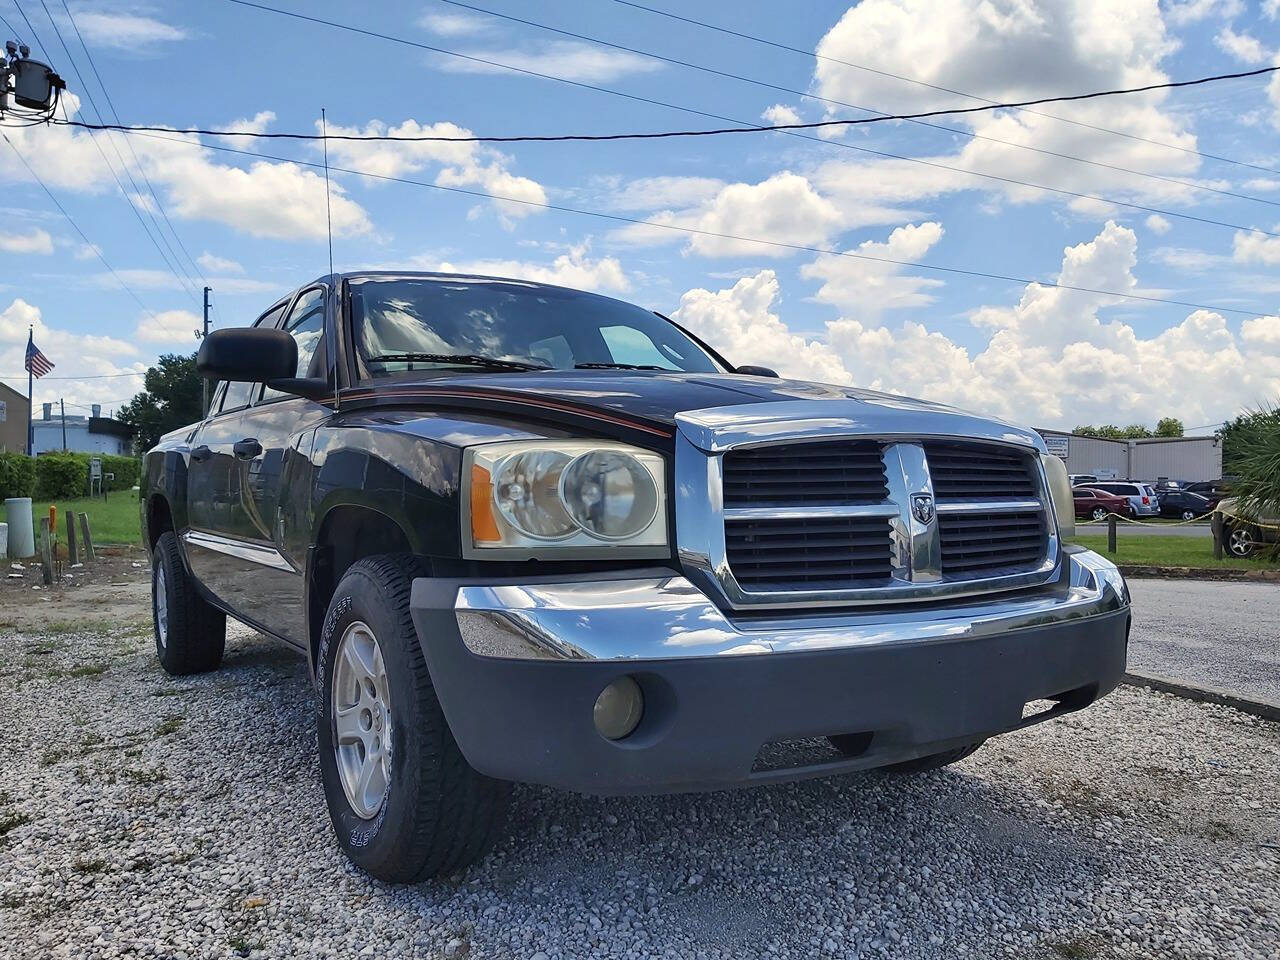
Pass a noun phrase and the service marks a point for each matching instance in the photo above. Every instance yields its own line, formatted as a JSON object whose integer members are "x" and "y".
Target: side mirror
{"x": 252, "y": 354}
{"x": 750, "y": 370}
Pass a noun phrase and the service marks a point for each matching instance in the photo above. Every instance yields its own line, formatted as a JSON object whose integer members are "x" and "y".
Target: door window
{"x": 306, "y": 326}
{"x": 236, "y": 396}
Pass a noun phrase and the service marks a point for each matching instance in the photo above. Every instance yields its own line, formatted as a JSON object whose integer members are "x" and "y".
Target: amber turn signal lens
{"x": 484, "y": 528}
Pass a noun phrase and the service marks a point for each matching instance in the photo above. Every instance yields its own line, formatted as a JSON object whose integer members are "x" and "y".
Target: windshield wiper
{"x": 620, "y": 366}
{"x": 457, "y": 359}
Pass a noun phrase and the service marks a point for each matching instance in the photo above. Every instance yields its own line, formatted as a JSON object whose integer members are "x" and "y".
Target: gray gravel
{"x": 1223, "y": 635}
{"x": 148, "y": 817}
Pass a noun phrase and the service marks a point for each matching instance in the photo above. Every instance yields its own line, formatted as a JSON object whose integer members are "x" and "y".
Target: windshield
{"x": 417, "y": 323}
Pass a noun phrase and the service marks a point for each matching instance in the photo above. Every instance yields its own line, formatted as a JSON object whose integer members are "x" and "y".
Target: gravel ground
{"x": 147, "y": 817}
{"x": 1223, "y": 634}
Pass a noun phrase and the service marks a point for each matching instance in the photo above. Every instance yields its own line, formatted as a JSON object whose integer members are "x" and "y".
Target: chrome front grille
{"x": 802, "y": 522}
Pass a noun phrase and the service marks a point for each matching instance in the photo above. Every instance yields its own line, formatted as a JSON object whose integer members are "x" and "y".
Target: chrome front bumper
{"x": 666, "y": 617}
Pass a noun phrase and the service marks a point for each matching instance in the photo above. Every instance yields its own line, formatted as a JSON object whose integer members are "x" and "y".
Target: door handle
{"x": 246, "y": 449}
{"x": 201, "y": 453}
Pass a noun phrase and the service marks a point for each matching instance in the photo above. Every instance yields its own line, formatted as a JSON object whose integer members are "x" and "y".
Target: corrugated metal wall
{"x": 1180, "y": 458}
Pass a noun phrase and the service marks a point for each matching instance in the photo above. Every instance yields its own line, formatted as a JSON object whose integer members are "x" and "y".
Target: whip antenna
{"x": 328, "y": 216}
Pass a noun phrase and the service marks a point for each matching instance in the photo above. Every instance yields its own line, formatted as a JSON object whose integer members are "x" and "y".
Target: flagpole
{"x": 31, "y": 441}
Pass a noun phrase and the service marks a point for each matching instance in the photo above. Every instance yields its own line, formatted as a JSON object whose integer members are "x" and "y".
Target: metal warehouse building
{"x": 1152, "y": 458}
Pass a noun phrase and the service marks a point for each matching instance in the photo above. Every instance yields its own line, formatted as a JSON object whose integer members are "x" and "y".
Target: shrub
{"x": 17, "y": 475}
{"x": 61, "y": 476}
{"x": 64, "y": 476}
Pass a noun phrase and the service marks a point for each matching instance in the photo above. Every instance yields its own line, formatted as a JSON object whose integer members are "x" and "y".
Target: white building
{"x": 92, "y": 434}
{"x": 1185, "y": 459}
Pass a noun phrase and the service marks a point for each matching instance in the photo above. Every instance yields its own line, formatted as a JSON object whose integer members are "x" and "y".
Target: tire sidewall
{"x": 379, "y": 840}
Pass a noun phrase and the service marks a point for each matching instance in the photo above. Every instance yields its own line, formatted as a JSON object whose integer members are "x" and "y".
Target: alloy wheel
{"x": 160, "y": 601}
{"x": 1099, "y": 513}
{"x": 361, "y": 718}
{"x": 1240, "y": 542}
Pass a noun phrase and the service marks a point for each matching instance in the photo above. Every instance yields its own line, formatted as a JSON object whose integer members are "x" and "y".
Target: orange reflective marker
{"x": 484, "y": 526}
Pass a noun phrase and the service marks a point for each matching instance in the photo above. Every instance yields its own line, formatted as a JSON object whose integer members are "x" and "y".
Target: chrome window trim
{"x": 704, "y": 436}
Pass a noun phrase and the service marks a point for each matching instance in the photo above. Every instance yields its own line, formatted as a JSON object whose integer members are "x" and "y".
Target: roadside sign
{"x": 1056, "y": 444}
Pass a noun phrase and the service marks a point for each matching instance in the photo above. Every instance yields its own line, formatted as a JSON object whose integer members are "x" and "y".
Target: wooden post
{"x": 86, "y": 539}
{"x": 1111, "y": 534}
{"x": 73, "y": 554}
{"x": 45, "y": 549}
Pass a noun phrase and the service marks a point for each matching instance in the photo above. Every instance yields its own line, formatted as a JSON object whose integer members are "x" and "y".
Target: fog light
{"x": 618, "y": 708}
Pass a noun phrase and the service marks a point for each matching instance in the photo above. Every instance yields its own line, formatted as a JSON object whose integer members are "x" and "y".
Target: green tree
{"x": 172, "y": 399}
{"x": 1254, "y": 461}
{"x": 1110, "y": 431}
{"x": 1241, "y": 436}
{"x": 1169, "y": 427}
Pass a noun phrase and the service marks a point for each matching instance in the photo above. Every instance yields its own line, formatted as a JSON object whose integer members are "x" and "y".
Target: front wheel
{"x": 404, "y": 803}
{"x": 934, "y": 761}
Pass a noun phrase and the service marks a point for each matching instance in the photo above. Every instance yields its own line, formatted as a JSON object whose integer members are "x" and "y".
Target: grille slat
{"x": 834, "y": 552}
{"x": 987, "y": 543}
{"x": 970, "y": 471}
{"x": 830, "y": 473}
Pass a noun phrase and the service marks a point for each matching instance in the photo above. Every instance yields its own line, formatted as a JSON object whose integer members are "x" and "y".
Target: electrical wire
{"x": 958, "y": 131}
{"x": 75, "y": 226}
{"x": 932, "y": 86}
{"x": 694, "y": 231}
{"x": 128, "y": 143}
{"x": 13, "y": 34}
{"x": 786, "y": 129}
{"x": 185, "y": 284}
{"x": 34, "y": 36}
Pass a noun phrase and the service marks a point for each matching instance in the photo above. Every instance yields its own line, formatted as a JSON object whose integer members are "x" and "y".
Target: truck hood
{"x": 702, "y": 405}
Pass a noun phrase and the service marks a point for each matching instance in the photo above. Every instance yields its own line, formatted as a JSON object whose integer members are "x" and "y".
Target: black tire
{"x": 1188, "y": 515}
{"x": 194, "y": 632}
{"x": 934, "y": 761}
{"x": 437, "y": 814}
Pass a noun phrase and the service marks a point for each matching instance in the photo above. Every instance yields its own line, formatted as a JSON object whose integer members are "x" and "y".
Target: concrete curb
{"x": 1198, "y": 573}
{"x": 1258, "y": 708}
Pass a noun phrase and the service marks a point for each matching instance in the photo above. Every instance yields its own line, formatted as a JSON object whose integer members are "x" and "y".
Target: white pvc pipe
{"x": 4, "y": 540}
{"x": 22, "y": 535}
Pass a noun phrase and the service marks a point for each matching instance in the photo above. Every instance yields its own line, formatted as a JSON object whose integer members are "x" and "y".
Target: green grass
{"x": 1162, "y": 551}
{"x": 114, "y": 520}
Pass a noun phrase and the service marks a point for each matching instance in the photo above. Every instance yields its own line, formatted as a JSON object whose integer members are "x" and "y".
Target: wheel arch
{"x": 345, "y": 534}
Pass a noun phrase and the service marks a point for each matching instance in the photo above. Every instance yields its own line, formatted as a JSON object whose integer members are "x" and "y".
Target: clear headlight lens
{"x": 1064, "y": 504}
{"x": 610, "y": 494}
{"x": 564, "y": 498}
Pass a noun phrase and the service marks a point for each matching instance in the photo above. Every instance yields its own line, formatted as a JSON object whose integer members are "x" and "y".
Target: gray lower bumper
{"x": 518, "y": 668}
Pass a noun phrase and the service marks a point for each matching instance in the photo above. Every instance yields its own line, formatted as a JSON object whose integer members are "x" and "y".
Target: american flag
{"x": 37, "y": 363}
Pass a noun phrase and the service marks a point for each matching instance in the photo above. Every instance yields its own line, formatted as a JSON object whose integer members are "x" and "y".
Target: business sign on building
{"x": 1057, "y": 444}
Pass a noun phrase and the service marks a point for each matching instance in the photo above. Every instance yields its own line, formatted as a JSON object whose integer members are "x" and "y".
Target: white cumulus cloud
{"x": 33, "y": 241}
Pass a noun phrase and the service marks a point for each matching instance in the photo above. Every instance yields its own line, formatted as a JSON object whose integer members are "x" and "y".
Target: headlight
{"x": 1064, "y": 504}
{"x": 563, "y": 499}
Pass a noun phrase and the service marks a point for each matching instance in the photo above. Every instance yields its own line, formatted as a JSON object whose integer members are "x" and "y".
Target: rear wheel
{"x": 1241, "y": 541}
{"x": 404, "y": 803}
{"x": 1099, "y": 514}
{"x": 190, "y": 633}
{"x": 1188, "y": 514}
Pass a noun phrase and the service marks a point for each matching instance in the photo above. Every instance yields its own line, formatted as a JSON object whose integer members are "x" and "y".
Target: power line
{"x": 13, "y": 34}
{"x": 128, "y": 143}
{"x": 124, "y": 193}
{"x": 75, "y": 226}
{"x": 34, "y": 36}
{"x": 932, "y": 86}
{"x": 960, "y": 131}
{"x": 786, "y": 129}
{"x": 636, "y": 221}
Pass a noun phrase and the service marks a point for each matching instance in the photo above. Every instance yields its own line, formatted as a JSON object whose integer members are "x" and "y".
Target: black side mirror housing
{"x": 252, "y": 354}
{"x": 750, "y": 370}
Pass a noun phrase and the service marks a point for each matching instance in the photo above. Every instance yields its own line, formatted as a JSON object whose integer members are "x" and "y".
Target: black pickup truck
{"x": 524, "y": 533}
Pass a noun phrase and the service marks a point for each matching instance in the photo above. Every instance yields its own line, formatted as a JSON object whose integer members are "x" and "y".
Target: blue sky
{"x": 1050, "y": 357}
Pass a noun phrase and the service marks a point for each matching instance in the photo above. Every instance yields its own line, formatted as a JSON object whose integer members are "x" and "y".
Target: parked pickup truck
{"x": 523, "y": 533}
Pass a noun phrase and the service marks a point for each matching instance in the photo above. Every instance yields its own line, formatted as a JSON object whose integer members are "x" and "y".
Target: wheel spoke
{"x": 346, "y": 722}
{"x": 373, "y": 782}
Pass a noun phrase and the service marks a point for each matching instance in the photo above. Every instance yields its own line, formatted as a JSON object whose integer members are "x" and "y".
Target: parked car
{"x": 1213, "y": 490}
{"x": 1241, "y": 534}
{"x": 1096, "y": 505}
{"x": 1078, "y": 478}
{"x": 523, "y": 533}
{"x": 1184, "y": 505}
{"x": 1142, "y": 497}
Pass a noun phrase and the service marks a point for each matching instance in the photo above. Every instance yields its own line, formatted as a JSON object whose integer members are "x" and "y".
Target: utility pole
{"x": 63, "y": 403}
{"x": 201, "y": 334}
